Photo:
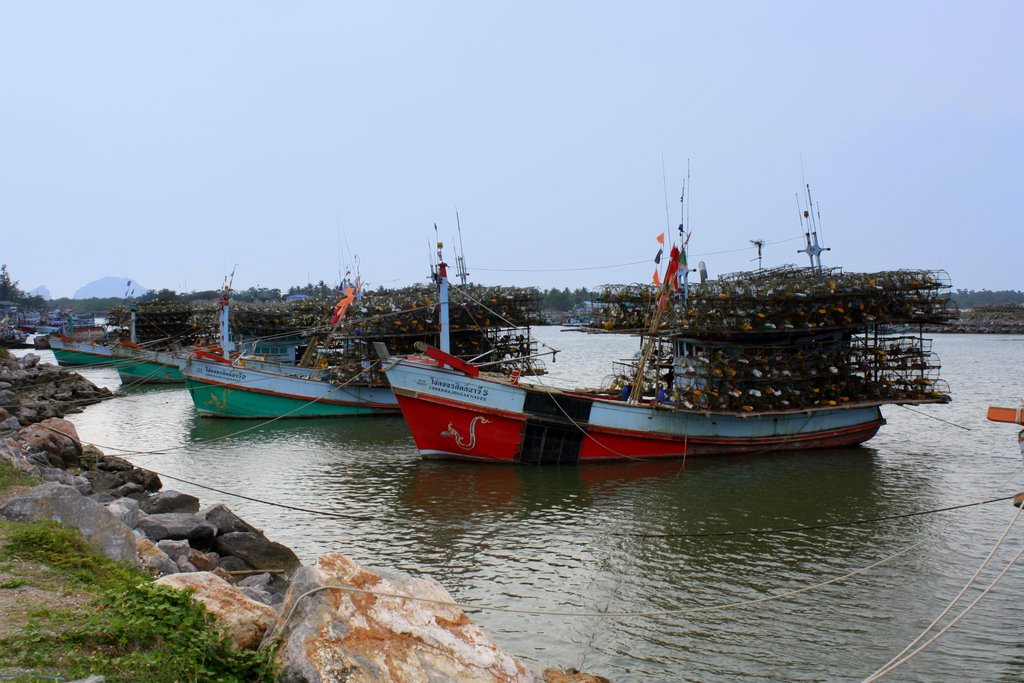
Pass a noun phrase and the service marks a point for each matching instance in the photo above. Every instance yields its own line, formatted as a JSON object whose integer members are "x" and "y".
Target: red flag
{"x": 671, "y": 281}
{"x": 673, "y": 265}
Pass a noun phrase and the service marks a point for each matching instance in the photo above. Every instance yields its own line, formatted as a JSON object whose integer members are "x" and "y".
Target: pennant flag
{"x": 656, "y": 278}
{"x": 661, "y": 238}
{"x": 657, "y": 259}
{"x": 341, "y": 307}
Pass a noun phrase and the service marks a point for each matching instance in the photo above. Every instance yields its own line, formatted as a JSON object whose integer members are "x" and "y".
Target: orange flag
{"x": 661, "y": 238}
{"x": 657, "y": 278}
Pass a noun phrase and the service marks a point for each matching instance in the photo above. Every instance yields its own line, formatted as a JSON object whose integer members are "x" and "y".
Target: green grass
{"x": 11, "y": 476}
{"x": 134, "y": 630}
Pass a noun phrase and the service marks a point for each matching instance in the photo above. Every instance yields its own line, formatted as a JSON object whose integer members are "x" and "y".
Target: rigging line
{"x": 630, "y": 558}
{"x": 559, "y": 270}
{"x": 644, "y": 535}
{"x": 691, "y": 610}
{"x": 484, "y": 306}
{"x": 550, "y": 392}
{"x": 815, "y": 527}
{"x": 956, "y": 620}
{"x": 899, "y": 658}
{"x": 919, "y": 412}
{"x": 623, "y": 265}
{"x": 164, "y": 451}
{"x": 321, "y": 513}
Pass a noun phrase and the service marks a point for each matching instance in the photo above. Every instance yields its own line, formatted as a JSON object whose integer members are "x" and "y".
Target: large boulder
{"x": 56, "y": 437}
{"x": 225, "y": 520}
{"x": 125, "y": 509}
{"x": 256, "y": 550}
{"x": 104, "y": 530}
{"x": 178, "y": 526}
{"x": 341, "y": 624}
{"x": 169, "y": 501}
{"x": 109, "y": 473}
{"x": 244, "y": 620}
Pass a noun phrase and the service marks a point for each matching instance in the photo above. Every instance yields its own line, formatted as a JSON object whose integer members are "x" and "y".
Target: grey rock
{"x": 169, "y": 501}
{"x": 270, "y": 588}
{"x": 260, "y": 595}
{"x": 127, "y": 510}
{"x": 64, "y": 504}
{"x": 29, "y": 360}
{"x": 179, "y": 526}
{"x": 184, "y": 566}
{"x": 231, "y": 563}
{"x": 5, "y": 385}
{"x": 129, "y": 490}
{"x": 256, "y": 550}
{"x": 174, "y": 549}
{"x": 225, "y": 520}
{"x": 80, "y": 484}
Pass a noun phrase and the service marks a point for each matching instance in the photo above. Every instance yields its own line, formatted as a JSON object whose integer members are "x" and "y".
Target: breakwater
{"x": 334, "y": 618}
{"x": 984, "y": 320}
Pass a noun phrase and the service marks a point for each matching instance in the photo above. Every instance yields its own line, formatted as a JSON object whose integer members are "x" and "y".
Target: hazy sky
{"x": 167, "y": 142}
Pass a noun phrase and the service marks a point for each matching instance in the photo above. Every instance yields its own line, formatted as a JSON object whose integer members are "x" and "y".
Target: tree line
{"x": 553, "y": 300}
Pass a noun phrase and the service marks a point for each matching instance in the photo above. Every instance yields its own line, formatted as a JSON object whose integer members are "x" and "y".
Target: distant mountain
{"x": 42, "y": 291}
{"x": 109, "y": 286}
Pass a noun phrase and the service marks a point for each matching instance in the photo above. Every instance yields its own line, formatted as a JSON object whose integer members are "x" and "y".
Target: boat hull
{"x": 134, "y": 366}
{"x": 69, "y": 352}
{"x": 142, "y": 366}
{"x": 258, "y": 390}
{"x": 451, "y": 415}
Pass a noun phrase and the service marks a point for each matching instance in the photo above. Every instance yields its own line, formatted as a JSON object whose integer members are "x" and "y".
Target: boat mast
{"x": 811, "y": 245}
{"x": 225, "y": 317}
{"x": 460, "y": 259}
{"x": 225, "y": 323}
{"x": 442, "y": 281}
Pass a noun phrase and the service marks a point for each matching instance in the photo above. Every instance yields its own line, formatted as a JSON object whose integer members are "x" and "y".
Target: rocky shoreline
{"x": 987, "y": 320}
{"x": 332, "y": 621}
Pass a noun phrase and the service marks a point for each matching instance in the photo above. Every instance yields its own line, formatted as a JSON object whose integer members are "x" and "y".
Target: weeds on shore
{"x": 11, "y": 476}
{"x": 134, "y": 630}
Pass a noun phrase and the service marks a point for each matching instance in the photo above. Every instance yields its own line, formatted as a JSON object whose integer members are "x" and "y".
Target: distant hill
{"x": 42, "y": 291}
{"x": 109, "y": 287}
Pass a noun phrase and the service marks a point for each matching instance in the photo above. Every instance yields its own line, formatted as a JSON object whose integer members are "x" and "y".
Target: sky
{"x": 174, "y": 143}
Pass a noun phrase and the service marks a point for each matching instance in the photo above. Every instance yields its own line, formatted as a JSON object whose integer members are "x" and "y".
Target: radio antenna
{"x": 759, "y": 244}
{"x": 460, "y": 260}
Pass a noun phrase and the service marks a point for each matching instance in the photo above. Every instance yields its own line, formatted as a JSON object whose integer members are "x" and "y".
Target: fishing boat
{"x": 223, "y": 383}
{"x": 337, "y": 374}
{"x": 135, "y": 363}
{"x": 753, "y": 363}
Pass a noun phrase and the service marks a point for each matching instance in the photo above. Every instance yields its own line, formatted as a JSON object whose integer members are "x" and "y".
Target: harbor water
{"x": 676, "y": 571}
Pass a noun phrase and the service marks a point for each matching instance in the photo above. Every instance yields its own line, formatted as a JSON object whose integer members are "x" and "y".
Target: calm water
{"x": 580, "y": 540}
